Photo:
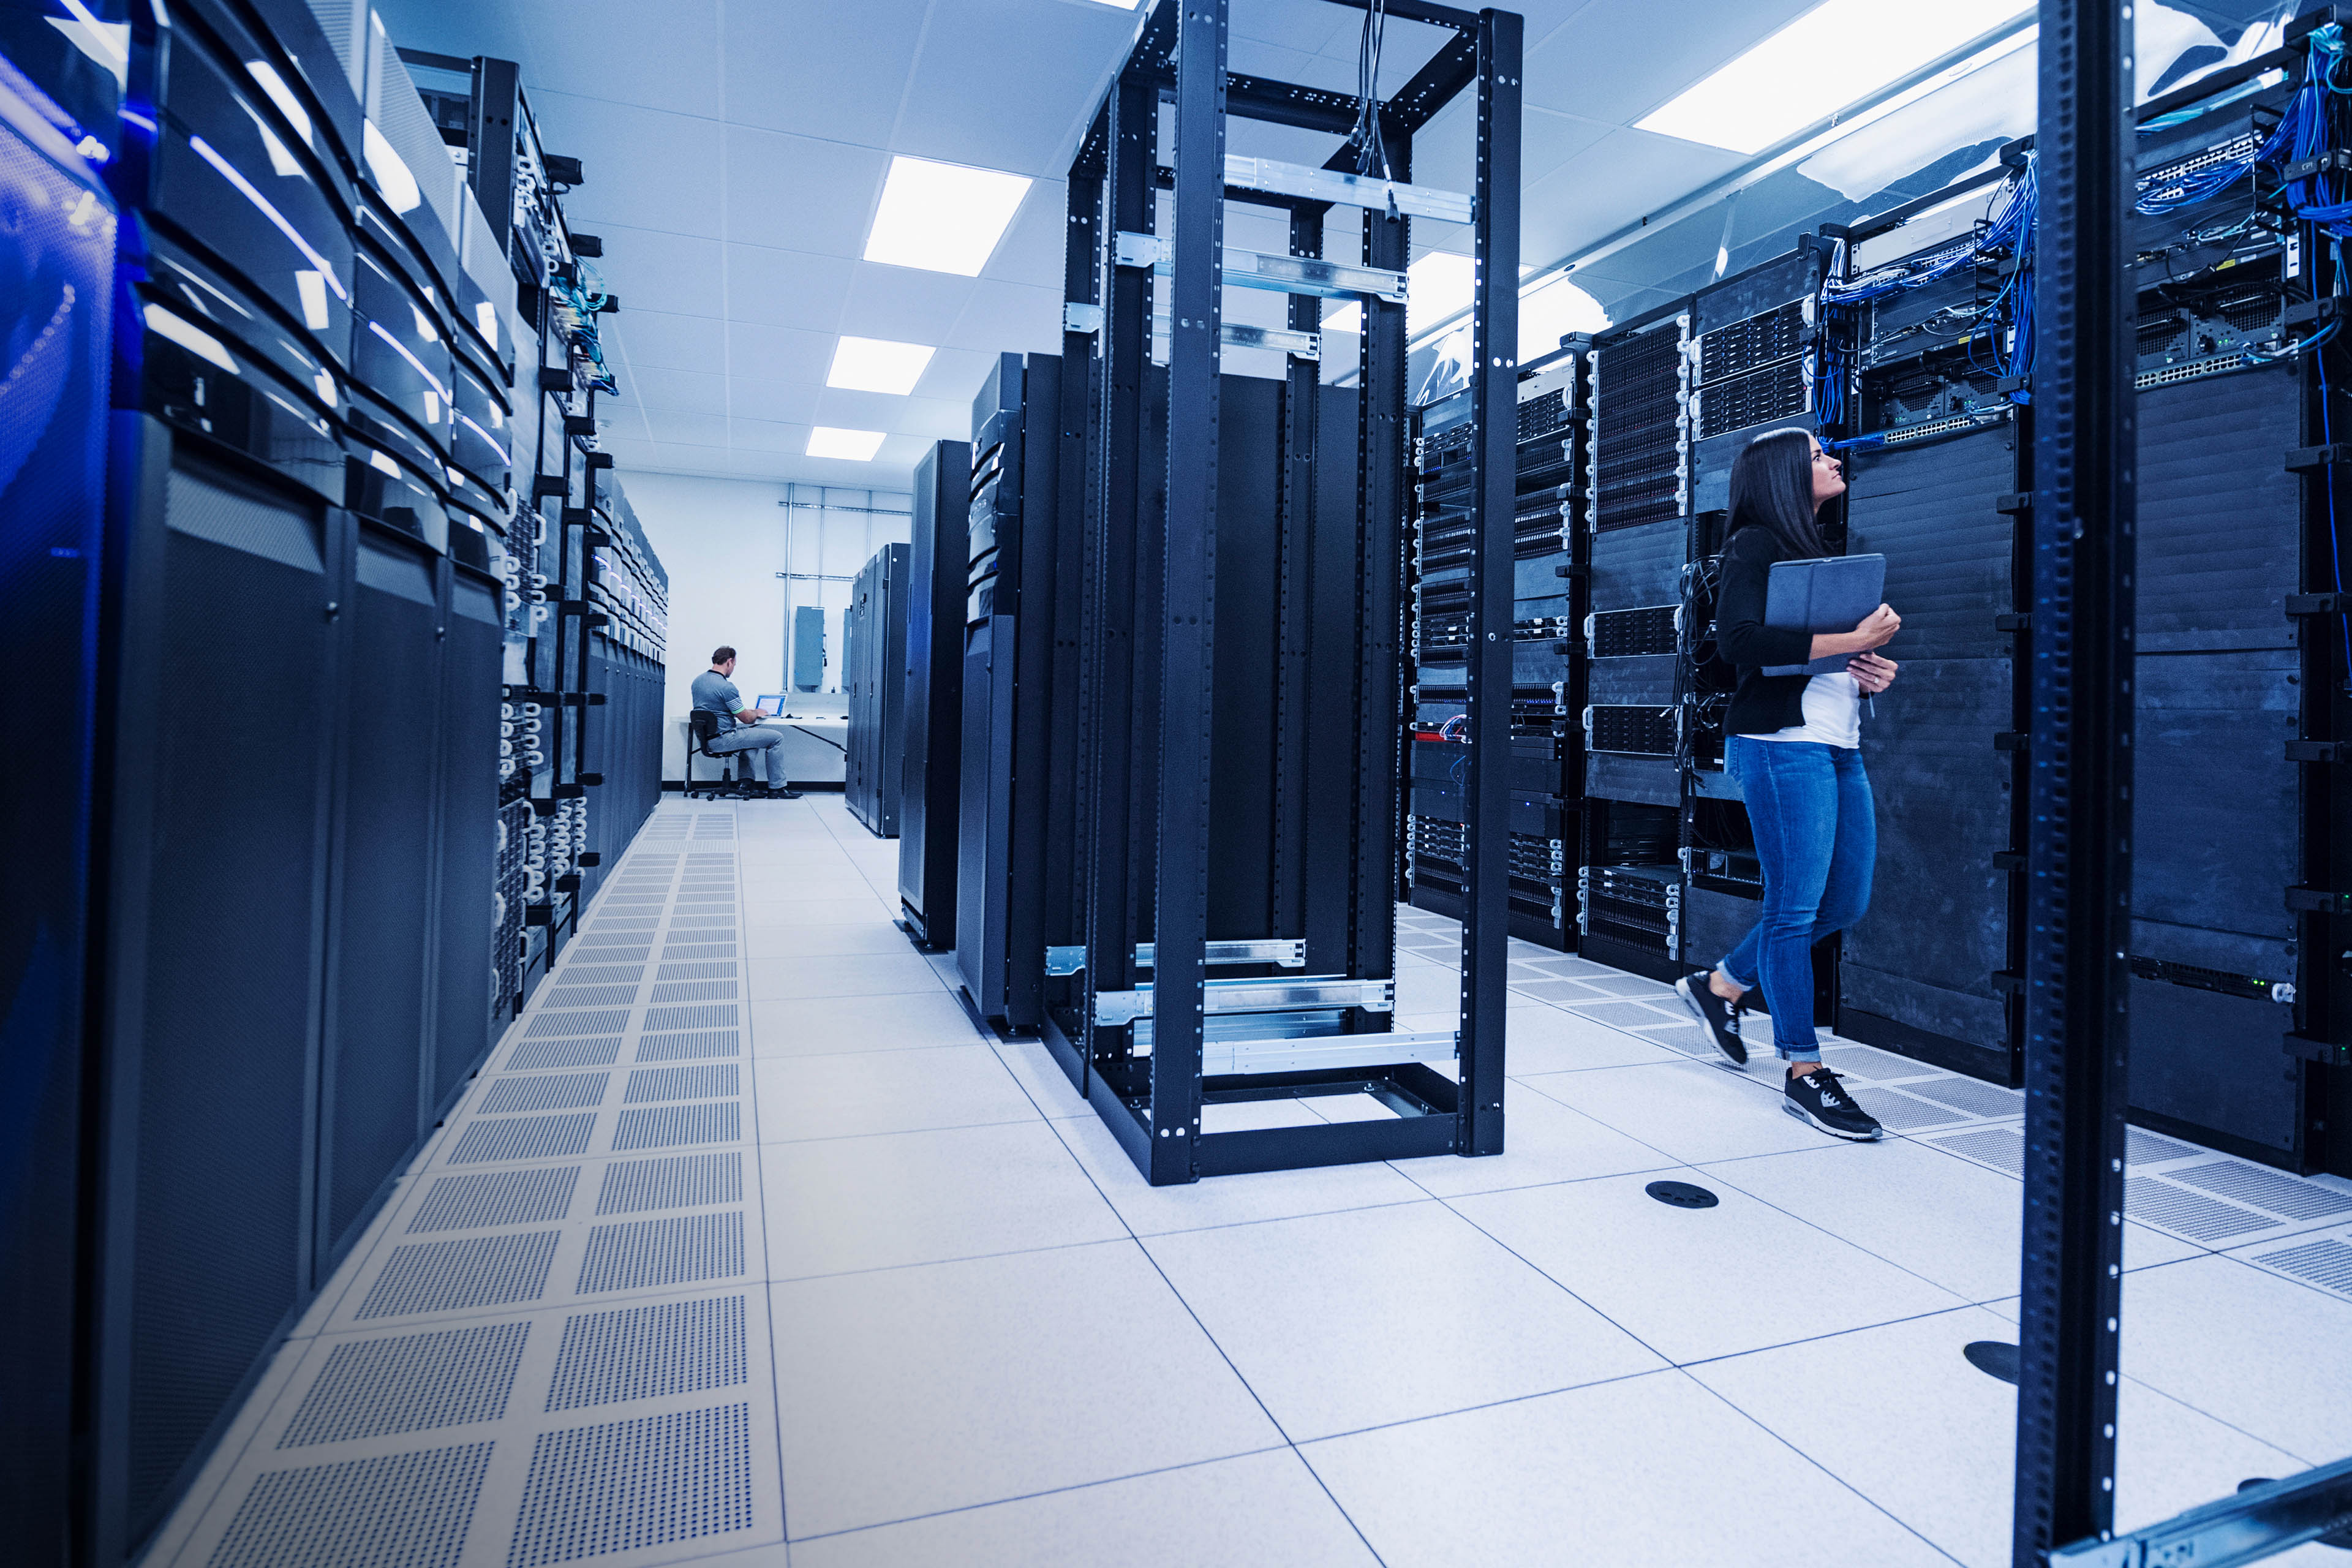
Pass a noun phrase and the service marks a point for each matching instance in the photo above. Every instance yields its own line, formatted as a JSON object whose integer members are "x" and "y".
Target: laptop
{"x": 774, "y": 706}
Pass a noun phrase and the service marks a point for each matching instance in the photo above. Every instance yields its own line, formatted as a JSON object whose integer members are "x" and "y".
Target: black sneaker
{"x": 1721, "y": 1017}
{"x": 1818, "y": 1098}
{"x": 777, "y": 791}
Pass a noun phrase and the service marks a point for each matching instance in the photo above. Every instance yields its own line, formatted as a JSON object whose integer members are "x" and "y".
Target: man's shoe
{"x": 1818, "y": 1098}
{"x": 1721, "y": 1017}
{"x": 776, "y": 792}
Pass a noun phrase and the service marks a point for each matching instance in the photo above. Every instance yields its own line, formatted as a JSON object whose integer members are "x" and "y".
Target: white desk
{"x": 811, "y": 752}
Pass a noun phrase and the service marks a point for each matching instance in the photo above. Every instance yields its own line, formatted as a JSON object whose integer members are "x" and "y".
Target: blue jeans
{"x": 1817, "y": 835}
{"x": 758, "y": 744}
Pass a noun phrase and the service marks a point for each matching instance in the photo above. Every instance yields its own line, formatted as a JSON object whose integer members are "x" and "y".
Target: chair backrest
{"x": 704, "y": 725}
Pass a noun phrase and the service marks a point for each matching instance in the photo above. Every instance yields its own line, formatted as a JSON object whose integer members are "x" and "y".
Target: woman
{"x": 1794, "y": 747}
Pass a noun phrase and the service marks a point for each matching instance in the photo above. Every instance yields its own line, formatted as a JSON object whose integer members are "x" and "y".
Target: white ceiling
{"x": 734, "y": 151}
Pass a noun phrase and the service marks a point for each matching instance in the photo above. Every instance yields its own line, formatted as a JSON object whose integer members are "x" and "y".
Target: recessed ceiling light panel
{"x": 877, "y": 364}
{"x": 1838, "y": 53}
{"x": 943, "y": 217}
{"x": 857, "y": 445}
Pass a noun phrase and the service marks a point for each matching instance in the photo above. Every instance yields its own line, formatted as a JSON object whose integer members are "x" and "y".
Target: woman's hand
{"x": 1871, "y": 672}
{"x": 1877, "y": 629}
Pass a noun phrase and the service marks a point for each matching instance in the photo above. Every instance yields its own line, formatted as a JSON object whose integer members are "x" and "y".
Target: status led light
{"x": 877, "y": 364}
{"x": 857, "y": 445}
{"x": 1857, "y": 46}
{"x": 942, "y": 217}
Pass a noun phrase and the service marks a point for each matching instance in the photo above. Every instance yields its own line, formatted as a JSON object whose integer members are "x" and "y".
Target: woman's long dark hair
{"x": 1772, "y": 486}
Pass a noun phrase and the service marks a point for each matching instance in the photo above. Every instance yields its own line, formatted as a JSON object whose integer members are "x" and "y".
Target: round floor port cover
{"x": 2340, "y": 1538}
{"x": 1994, "y": 1358}
{"x": 1682, "y": 1195}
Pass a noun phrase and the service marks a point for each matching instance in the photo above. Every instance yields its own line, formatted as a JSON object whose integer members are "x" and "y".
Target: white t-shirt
{"x": 1833, "y": 714}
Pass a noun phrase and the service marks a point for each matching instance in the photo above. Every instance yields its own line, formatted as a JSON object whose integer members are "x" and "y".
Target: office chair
{"x": 702, "y": 728}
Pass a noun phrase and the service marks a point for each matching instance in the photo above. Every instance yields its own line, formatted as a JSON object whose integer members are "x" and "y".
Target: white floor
{"x": 747, "y": 1243}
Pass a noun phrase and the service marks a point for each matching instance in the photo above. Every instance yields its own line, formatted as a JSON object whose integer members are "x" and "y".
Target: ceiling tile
{"x": 660, "y": 339}
{"x": 786, "y": 288}
{"x": 1031, "y": 251}
{"x": 642, "y": 167}
{"x": 778, "y": 353}
{"x": 903, "y": 304}
{"x": 1009, "y": 84}
{"x": 1010, "y": 318}
{"x": 688, "y": 429}
{"x": 955, "y": 374}
{"x": 1612, "y": 61}
{"x": 821, "y": 69}
{"x": 679, "y": 391}
{"x": 752, "y": 398}
{"x": 1620, "y": 179}
{"x": 847, "y": 410}
{"x": 772, "y": 436}
{"x": 671, "y": 50}
{"x": 1307, "y": 24}
{"x": 674, "y": 273}
{"x": 935, "y": 418}
{"x": 801, "y": 192}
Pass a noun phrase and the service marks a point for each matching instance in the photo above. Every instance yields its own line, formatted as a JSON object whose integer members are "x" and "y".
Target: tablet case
{"x": 1833, "y": 595}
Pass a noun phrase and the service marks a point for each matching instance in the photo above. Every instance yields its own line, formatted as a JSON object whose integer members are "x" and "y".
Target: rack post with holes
{"x": 1301, "y": 1004}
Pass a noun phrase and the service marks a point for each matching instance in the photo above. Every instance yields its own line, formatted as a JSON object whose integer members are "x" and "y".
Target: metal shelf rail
{"x": 1150, "y": 1056}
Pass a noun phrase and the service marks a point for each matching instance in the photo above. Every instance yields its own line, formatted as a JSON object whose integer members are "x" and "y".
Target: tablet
{"x": 1833, "y": 595}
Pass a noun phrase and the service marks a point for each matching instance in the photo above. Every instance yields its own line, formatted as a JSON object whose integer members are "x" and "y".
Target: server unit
{"x": 874, "y": 677}
{"x": 1013, "y": 531}
{"x": 57, "y": 311}
{"x": 932, "y": 749}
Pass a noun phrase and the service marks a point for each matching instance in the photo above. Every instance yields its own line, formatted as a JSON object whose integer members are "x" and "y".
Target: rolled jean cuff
{"x": 1723, "y": 967}
{"x": 1800, "y": 1054}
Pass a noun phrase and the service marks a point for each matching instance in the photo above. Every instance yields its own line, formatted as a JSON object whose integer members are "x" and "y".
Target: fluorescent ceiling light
{"x": 1122, "y": 5}
{"x": 1855, "y": 47}
{"x": 877, "y": 364}
{"x": 942, "y": 217}
{"x": 857, "y": 445}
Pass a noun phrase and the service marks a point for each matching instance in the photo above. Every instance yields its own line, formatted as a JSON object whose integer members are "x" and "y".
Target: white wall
{"x": 723, "y": 543}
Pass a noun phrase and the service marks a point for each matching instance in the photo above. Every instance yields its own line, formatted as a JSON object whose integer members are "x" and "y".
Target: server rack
{"x": 1014, "y": 518}
{"x": 1551, "y": 558}
{"x": 874, "y": 674}
{"x": 928, "y": 822}
{"x": 52, "y": 478}
{"x": 309, "y": 587}
{"x": 1166, "y": 762}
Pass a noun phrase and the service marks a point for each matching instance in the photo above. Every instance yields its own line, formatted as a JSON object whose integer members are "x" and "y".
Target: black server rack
{"x": 874, "y": 676}
{"x": 1547, "y": 652}
{"x": 932, "y": 749}
{"x": 1236, "y": 601}
{"x": 1015, "y": 521}
{"x": 57, "y": 312}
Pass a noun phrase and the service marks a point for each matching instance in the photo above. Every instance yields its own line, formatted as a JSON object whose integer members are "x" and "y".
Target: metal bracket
{"x": 1116, "y": 1007}
{"x": 2317, "y": 901}
{"x": 1277, "y": 178}
{"x": 2015, "y": 621}
{"x": 2311, "y": 460}
{"x": 1220, "y": 1057}
{"x": 1078, "y": 317}
{"x": 1264, "y": 269}
{"x": 2301, "y": 604}
{"x": 2323, "y": 1051}
{"x": 2315, "y": 752}
{"x": 1283, "y": 952}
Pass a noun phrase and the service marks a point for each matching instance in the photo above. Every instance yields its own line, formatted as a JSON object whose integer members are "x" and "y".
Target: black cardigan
{"x": 1762, "y": 703}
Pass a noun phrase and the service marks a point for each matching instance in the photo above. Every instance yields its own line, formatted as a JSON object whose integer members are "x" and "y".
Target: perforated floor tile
{"x": 556, "y": 1091}
{"x": 410, "y": 1383}
{"x": 672, "y": 1126}
{"x": 524, "y": 1138}
{"x": 640, "y": 1254}
{"x": 396, "y": 1510}
{"x": 698, "y": 1043}
{"x": 646, "y": 1352}
{"x": 2191, "y": 1214}
{"x": 474, "y": 1271}
{"x": 595, "y": 1052}
{"x": 648, "y": 1084}
{"x": 2264, "y": 1189}
{"x": 2327, "y": 1263}
{"x": 503, "y": 1197}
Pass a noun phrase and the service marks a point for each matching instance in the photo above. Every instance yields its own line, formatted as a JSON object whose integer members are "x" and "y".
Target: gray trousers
{"x": 758, "y": 744}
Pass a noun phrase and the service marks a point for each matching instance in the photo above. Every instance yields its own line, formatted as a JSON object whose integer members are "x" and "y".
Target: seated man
{"x": 714, "y": 693}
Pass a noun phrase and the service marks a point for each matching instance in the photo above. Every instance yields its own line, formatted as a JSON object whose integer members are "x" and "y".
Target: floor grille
{"x": 592, "y": 996}
{"x": 1968, "y": 1096}
{"x": 2272, "y": 1190}
{"x": 703, "y": 1043}
{"x": 640, "y": 1254}
{"x": 502, "y": 1198}
{"x": 2326, "y": 1264}
{"x": 631, "y": 1484}
{"x": 524, "y": 1138}
{"x": 450, "y": 1276}
{"x": 696, "y": 991}
{"x": 674, "y": 1125}
{"x": 555, "y": 1092}
{"x": 683, "y": 1083}
{"x": 676, "y": 1181}
{"x": 412, "y": 1383}
{"x": 2191, "y": 1214}
{"x": 646, "y": 1352}
{"x": 396, "y": 1510}
{"x": 719, "y": 1017}
{"x": 581, "y": 1053}
{"x": 548, "y": 1025}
